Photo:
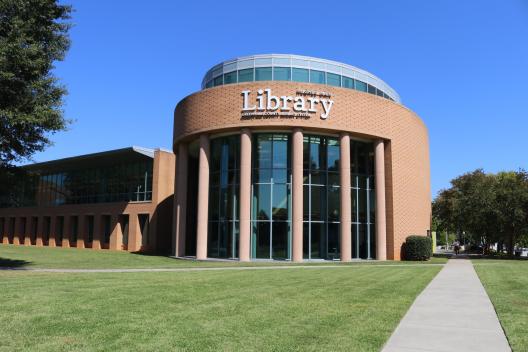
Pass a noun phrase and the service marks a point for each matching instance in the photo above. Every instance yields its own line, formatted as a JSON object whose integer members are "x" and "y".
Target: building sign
{"x": 305, "y": 104}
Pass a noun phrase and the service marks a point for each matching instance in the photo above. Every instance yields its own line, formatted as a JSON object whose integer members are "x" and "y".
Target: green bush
{"x": 417, "y": 248}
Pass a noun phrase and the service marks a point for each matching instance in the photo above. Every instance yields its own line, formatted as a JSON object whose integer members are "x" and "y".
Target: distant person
{"x": 456, "y": 246}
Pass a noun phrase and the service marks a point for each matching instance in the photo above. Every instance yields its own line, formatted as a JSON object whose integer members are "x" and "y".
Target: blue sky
{"x": 461, "y": 65}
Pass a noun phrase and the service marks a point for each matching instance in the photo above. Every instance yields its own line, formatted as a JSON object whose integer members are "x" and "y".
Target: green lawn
{"x": 506, "y": 282}
{"x": 326, "y": 309}
{"x": 73, "y": 258}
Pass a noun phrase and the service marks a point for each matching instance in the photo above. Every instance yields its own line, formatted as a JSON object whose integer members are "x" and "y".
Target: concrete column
{"x": 16, "y": 233}
{"x": 81, "y": 231}
{"x": 297, "y": 195}
{"x": 116, "y": 237}
{"x": 345, "y": 198}
{"x": 245, "y": 196}
{"x": 40, "y": 232}
{"x": 134, "y": 233}
{"x": 66, "y": 231}
{"x": 203, "y": 198}
{"x": 180, "y": 206}
{"x": 381, "y": 216}
{"x": 97, "y": 229}
{"x": 52, "y": 234}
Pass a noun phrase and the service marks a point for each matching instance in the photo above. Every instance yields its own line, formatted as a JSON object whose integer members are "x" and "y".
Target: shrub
{"x": 417, "y": 248}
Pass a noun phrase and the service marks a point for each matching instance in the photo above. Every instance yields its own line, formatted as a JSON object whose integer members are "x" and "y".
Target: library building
{"x": 277, "y": 157}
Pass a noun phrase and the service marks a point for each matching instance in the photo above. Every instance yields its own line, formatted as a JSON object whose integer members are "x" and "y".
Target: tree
{"x": 33, "y": 35}
{"x": 489, "y": 208}
{"x": 511, "y": 206}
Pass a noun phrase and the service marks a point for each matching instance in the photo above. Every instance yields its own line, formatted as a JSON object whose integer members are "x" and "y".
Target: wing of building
{"x": 278, "y": 157}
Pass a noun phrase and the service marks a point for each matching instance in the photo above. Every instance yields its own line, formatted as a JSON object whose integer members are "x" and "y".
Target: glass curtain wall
{"x": 271, "y": 196}
{"x": 363, "y": 200}
{"x": 321, "y": 197}
{"x": 223, "y": 229}
{"x": 128, "y": 182}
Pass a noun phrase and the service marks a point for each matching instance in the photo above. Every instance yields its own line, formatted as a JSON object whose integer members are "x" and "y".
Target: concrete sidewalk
{"x": 453, "y": 313}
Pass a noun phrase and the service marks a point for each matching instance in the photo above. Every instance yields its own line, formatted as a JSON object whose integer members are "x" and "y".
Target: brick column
{"x": 40, "y": 232}
{"x": 16, "y": 233}
{"x": 203, "y": 198}
{"x": 3, "y": 231}
{"x": 81, "y": 231}
{"x": 66, "y": 231}
{"x": 97, "y": 229}
{"x": 381, "y": 224}
{"x": 134, "y": 233}
{"x": 29, "y": 230}
{"x": 245, "y": 196}
{"x": 52, "y": 235}
{"x": 116, "y": 236}
{"x": 297, "y": 195}
{"x": 345, "y": 199}
{"x": 180, "y": 204}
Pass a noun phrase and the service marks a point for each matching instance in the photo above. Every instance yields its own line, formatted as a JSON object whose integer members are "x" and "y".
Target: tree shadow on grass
{"x": 13, "y": 263}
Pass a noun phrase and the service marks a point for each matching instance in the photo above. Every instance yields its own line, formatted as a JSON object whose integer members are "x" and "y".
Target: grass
{"x": 506, "y": 282}
{"x": 334, "y": 309}
{"x": 73, "y": 258}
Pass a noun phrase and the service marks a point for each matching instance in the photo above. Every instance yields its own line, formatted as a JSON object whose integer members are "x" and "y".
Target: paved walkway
{"x": 271, "y": 267}
{"x": 453, "y": 313}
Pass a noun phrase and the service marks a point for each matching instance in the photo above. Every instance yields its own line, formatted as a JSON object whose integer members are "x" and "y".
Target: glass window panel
{"x": 333, "y": 179}
{"x": 300, "y": 75}
{"x": 245, "y": 75}
{"x": 280, "y": 176}
{"x": 263, "y": 151}
{"x": 354, "y": 194}
{"x": 262, "y": 201}
{"x": 262, "y": 239}
{"x": 362, "y": 206}
{"x": 218, "y": 81}
{"x": 318, "y": 178}
{"x": 280, "y": 154}
{"x": 372, "y": 241}
{"x": 280, "y": 240}
{"x": 361, "y": 86}
{"x": 317, "y": 77}
{"x": 371, "y": 89}
{"x": 333, "y": 155}
{"x": 263, "y": 74}
{"x": 262, "y": 175}
{"x": 306, "y": 202}
{"x": 348, "y": 82}
{"x": 281, "y": 74}
{"x": 355, "y": 251}
{"x": 214, "y": 202}
{"x": 333, "y": 203}
{"x": 223, "y": 239}
{"x": 362, "y": 243}
{"x": 318, "y": 203}
{"x": 230, "y": 77}
{"x": 280, "y": 201}
{"x": 372, "y": 205}
{"x": 209, "y": 84}
{"x": 318, "y": 241}
{"x": 212, "y": 240}
{"x": 306, "y": 240}
{"x": 333, "y": 241}
{"x": 333, "y": 80}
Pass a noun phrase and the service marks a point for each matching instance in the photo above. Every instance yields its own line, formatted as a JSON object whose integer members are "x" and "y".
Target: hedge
{"x": 417, "y": 248}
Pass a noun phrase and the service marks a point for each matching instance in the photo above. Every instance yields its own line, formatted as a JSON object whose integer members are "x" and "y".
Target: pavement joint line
{"x": 234, "y": 268}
